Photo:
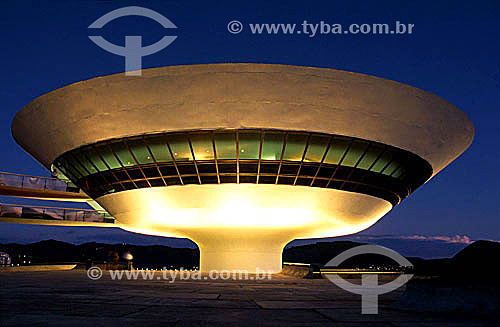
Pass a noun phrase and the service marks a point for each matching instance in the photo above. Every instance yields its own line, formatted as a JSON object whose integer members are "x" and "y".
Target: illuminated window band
{"x": 245, "y": 156}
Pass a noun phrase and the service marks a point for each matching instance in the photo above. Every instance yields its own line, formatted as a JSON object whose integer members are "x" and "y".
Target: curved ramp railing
{"x": 54, "y": 213}
{"x": 36, "y": 182}
{"x": 41, "y": 188}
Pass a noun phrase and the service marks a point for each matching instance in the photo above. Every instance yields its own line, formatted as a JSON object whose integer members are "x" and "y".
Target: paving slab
{"x": 70, "y": 298}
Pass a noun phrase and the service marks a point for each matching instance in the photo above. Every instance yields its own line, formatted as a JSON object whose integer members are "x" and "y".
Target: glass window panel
{"x": 316, "y": 149}
{"x": 140, "y": 151}
{"x": 228, "y": 179}
{"x": 384, "y": 159}
{"x": 355, "y": 152}
{"x": 304, "y": 181}
{"x": 107, "y": 156}
{"x": 173, "y": 181}
{"x": 76, "y": 165}
{"x": 209, "y": 168}
{"x": 61, "y": 168}
{"x": 92, "y": 156}
{"x": 71, "y": 168}
{"x": 122, "y": 153}
{"x": 248, "y": 179}
{"x": 398, "y": 173}
{"x": 225, "y": 168}
{"x": 121, "y": 175}
{"x": 135, "y": 174}
{"x": 225, "y": 145}
{"x": 272, "y": 146}
{"x": 337, "y": 149}
{"x": 202, "y": 146}
{"x": 73, "y": 175}
{"x": 295, "y": 146}
{"x": 392, "y": 166}
{"x": 190, "y": 180}
{"x": 249, "y": 145}
{"x": 371, "y": 155}
{"x": 308, "y": 170}
{"x": 82, "y": 158}
{"x": 141, "y": 184}
{"x": 269, "y": 168}
{"x": 288, "y": 169}
{"x": 180, "y": 147}
{"x": 159, "y": 148}
{"x": 168, "y": 170}
{"x": 151, "y": 172}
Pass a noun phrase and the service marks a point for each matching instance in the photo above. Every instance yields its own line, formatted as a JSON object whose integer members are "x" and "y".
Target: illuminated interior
{"x": 245, "y": 156}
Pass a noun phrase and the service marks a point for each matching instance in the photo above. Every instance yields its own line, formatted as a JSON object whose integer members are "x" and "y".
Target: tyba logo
{"x": 133, "y": 51}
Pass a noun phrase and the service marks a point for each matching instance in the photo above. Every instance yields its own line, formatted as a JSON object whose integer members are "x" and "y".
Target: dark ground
{"x": 70, "y": 298}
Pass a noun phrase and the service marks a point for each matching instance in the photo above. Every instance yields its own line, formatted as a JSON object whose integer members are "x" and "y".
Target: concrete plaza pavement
{"x": 70, "y": 298}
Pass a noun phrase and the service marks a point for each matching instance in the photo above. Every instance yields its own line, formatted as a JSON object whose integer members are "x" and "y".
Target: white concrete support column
{"x": 253, "y": 252}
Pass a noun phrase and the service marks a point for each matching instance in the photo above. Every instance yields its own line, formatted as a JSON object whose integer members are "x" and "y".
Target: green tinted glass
{"x": 69, "y": 173}
{"x": 371, "y": 155}
{"x": 180, "y": 147}
{"x": 272, "y": 146}
{"x": 355, "y": 152}
{"x": 140, "y": 151}
{"x": 337, "y": 149}
{"x": 249, "y": 145}
{"x": 399, "y": 173}
{"x": 122, "y": 153}
{"x": 295, "y": 146}
{"x": 225, "y": 145}
{"x": 69, "y": 168}
{"x": 202, "y": 146}
{"x": 316, "y": 149}
{"x": 385, "y": 158}
{"x": 92, "y": 156}
{"x": 159, "y": 148}
{"x": 59, "y": 164}
{"x": 82, "y": 159}
{"x": 75, "y": 166}
{"x": 107, "y": 156}
{"x": 391, "y": 168}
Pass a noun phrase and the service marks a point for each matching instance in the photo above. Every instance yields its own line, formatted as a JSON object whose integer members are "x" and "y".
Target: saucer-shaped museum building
{"x": 243, "y": 158}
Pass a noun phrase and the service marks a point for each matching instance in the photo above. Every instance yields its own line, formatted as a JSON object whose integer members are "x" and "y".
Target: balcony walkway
{"x": 41, "y": 188}
{"x": 23, "y": 214}
{"x": 46, "y": 188}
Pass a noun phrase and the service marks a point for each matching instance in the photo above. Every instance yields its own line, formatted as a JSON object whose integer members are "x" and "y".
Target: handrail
{"x": 36, "y": 182}
{"x": 24, "y": 175}
{"x": 54, "y": 213}
{"x": 45, "y": 207}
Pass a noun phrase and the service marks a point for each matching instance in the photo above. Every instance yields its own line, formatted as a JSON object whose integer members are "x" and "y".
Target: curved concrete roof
{"x": 243, "y": 96}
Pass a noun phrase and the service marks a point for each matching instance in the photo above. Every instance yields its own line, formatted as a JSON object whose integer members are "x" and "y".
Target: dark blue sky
{"x": 453, "y": 52}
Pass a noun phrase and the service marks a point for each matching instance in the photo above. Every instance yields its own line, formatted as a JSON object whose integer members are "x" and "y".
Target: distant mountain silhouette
{"x": 319, "y": 253}
{"x": 150, "y": 256}
{"x": 322, "y": 252}
{"x": 476, "y": 259}
{"x": 479, "y": 254}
